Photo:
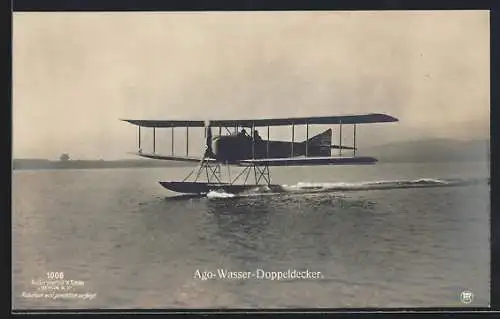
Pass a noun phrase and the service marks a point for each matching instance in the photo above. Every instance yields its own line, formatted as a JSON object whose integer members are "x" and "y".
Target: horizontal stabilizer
{"x": 304, "y": 161}
{"x": 343, "y": 147}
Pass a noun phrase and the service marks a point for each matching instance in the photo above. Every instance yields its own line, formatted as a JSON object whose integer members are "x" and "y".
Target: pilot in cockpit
{"x": 243, "y": 132}
{"x": 256, "y": 136}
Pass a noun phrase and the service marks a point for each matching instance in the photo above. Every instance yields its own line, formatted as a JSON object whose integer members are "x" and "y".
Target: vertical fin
{"x": 319, "y": 145}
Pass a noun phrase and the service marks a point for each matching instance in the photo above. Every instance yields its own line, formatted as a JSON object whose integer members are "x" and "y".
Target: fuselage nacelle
{"x": 236, "y": 147}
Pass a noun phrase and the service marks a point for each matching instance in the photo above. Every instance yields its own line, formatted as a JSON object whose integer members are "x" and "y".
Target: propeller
{"x": 208, "y": 141}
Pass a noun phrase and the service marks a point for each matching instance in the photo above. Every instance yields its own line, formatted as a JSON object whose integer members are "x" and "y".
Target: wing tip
{"x": 127, "y": 120}
{"x": 388, "y": 118}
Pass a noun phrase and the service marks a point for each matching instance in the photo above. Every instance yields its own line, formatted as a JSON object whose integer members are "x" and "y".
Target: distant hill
{"x": 28, "y": 163}
{"x": 435, "y": 150}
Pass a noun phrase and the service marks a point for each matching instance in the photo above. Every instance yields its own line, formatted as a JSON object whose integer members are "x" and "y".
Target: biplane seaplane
{"x": 250, "y": 152}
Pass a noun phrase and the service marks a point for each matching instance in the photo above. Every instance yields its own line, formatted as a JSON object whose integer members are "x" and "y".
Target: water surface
{"x": 377, "y": 236}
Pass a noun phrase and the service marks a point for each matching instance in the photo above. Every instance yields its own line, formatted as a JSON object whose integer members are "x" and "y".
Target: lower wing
{"x": 172, "y": 158}
{"x": 305, "y": 161}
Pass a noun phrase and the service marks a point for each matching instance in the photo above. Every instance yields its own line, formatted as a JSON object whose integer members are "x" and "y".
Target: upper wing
{"x": 166, "y": 123}
{"x": 172, "y": 158}
{"x": 303, "y": 161}
{"x": 337, "y": 119}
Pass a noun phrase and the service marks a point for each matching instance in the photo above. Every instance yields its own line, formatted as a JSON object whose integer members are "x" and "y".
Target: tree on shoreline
{"x": 64, "y": 157}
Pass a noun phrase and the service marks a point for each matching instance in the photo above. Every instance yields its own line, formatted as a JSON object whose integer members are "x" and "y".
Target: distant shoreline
{"x": 420, "y": 151}
{"x": 42, "y": 164}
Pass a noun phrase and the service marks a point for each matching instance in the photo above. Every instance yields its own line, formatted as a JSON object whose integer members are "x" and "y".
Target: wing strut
{"x": 293, "y": 136}
{"x": 307, "y": 137}
{"x": 139, "y": 137}
{"x": 253, "y": 141}
{"x": 340, "y": 139}
{"x": 267, "y": 145}
{"x": 187, "y": 140}
{"x": 172, "y": 138}
{"x": 154, "y": 140}
{"x": 354, "y": 151}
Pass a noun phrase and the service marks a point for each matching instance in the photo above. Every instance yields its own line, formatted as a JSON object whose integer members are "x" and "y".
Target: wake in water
{"x": 306, "y": 187}
{"x": 219, "y": 194}
{"x": 385, "y": 184}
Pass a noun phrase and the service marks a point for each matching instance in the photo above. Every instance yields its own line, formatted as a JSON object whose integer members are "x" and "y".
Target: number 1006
{"x": 55, "y": 275}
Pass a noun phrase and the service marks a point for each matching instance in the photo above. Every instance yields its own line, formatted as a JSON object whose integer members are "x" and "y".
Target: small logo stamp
{"x": 466, "y": 297}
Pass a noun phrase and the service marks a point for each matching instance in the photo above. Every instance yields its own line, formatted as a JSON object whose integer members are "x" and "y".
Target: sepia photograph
{"x": 250, "y": 160}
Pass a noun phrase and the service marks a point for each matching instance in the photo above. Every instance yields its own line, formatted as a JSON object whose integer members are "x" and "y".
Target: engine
{"x": 231, "y": 148}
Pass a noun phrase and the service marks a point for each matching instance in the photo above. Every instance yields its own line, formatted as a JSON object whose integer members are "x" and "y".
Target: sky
{"x": 76, "y": 74}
